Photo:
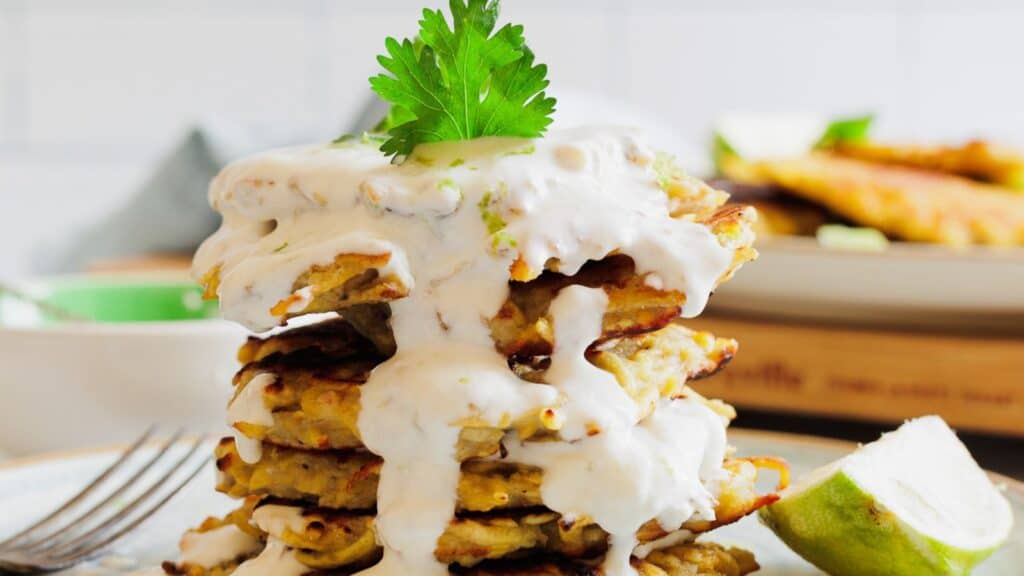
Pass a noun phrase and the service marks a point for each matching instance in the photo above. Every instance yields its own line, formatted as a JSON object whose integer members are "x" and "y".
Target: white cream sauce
{"x": 217, "y": 546}
{"x": 596, "y": 402}
{"x": 277, "y": 559}
{"x": 452, "y": 219}
{"x": 249, "y": 407}
{"x": 409, "y": 414}
{"x": 275, "y": 519}
{"x": 673, "y": 538}
{"x": 631, "y": 471}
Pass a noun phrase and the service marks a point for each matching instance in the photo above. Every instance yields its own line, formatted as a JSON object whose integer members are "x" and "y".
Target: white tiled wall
{"x": 91, "y": 91}
{"x": 7, "y": 72}
{"x": 47, "y": 197}
{"x": 129, "y": 73}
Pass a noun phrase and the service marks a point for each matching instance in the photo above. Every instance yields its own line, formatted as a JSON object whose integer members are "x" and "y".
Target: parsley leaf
{"x": 462, "y": 82}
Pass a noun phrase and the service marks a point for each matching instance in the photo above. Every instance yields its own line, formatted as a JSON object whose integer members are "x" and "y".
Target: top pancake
{"x": 521, "y": 326}
{"x": 323, "y": 229}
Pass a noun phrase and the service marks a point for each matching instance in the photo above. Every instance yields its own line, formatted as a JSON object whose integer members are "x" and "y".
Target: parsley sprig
{"x": 462, "y": 82}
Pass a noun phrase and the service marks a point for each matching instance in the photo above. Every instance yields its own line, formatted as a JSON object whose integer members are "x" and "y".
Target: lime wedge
{"x": 913, "y": 502}
{"x": 754, "y": 137}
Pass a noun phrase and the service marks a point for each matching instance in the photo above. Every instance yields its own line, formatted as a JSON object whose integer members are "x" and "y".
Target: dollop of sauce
{"x": 277, "y": 559}
{"x": 249, "y": 407}
{"x": 217, "y": 546}
{"x": 274, "y": 519}
{"x": 678, "y": 537}
{"x": 453, "y": 220}
{"x": 619, "y": 471}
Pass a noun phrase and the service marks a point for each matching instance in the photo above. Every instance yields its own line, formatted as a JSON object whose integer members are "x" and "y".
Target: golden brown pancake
{"x": 523, "y": 327}
{"x": 778, "y": 213}
{"x": 334, "y": 338}
{"x": 330, "y": 539}
{"x": 904, "y": 203}
{"x": 520, "y": 327}
{"x": 348, "y": 480}
{"x": 977, "y": 159}
{"x": 315, "y": 396}
{"x": 354, "y": 278}
{"x": 691, "y": 559}
{"x": 336, "y": 542}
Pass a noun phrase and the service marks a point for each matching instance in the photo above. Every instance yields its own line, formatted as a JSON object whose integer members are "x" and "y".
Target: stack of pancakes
{"x": 312, "y": 490}
{"x": 312, "y": 457}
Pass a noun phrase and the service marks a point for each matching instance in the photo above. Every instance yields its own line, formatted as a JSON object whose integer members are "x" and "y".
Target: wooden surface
{"x": 975, "y": 383}
{"x": 145, "y": 263}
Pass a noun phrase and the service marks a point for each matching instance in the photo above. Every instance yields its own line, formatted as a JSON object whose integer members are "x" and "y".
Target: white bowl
{"x": 69, "y": 385}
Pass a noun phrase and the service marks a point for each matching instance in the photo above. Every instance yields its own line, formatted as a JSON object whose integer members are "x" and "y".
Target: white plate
{"x": 912, "y": 285}
{"x": 120, "y": 377}
{"x": 29, "y": 488}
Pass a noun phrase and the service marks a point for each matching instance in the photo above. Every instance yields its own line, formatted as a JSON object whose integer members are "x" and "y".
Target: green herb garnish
{"x": 462, "y": 83}
{"x": 845, "y": 130}
{"x": 280, "y": 248}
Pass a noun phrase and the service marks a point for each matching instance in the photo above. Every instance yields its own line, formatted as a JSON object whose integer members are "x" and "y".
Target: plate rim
{"x": 895, "y": 249}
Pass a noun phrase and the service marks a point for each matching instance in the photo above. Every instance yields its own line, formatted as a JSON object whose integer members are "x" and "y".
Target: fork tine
{"x": 80, "y": 542}
{"x": 49, "y": 541}
{"x": 94, "y": 547}
{"x": 74, "y": 500}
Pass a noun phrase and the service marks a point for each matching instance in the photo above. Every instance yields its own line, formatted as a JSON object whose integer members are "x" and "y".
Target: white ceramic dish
{"x": 71, "y": 385}
{"x": 912, "y": 285}
{"x": 29, "y": 488}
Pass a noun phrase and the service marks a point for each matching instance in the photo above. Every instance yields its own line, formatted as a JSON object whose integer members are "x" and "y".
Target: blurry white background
{"x": 93, "y": 91}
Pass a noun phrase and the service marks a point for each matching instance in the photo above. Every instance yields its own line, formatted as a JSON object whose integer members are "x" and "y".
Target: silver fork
{"x": 55, "y": 542}
{"x": 58, "y": 312}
